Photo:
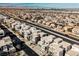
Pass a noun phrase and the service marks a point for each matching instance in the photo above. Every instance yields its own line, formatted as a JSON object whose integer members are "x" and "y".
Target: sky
{"x": 41, "y": 5}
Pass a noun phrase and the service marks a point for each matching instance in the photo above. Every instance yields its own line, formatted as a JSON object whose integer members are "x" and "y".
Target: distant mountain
{"x": 41, "y": 5}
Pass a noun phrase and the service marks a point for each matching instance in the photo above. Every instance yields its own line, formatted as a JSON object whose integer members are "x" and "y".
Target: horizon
{"x": 41, "y": 5}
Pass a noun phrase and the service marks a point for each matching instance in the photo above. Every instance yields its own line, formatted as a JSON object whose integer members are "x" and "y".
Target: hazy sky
{"x": 41, "y": 5}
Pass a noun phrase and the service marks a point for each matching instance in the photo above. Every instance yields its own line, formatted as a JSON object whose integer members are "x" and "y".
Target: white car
{"x": 1, "y": 33}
